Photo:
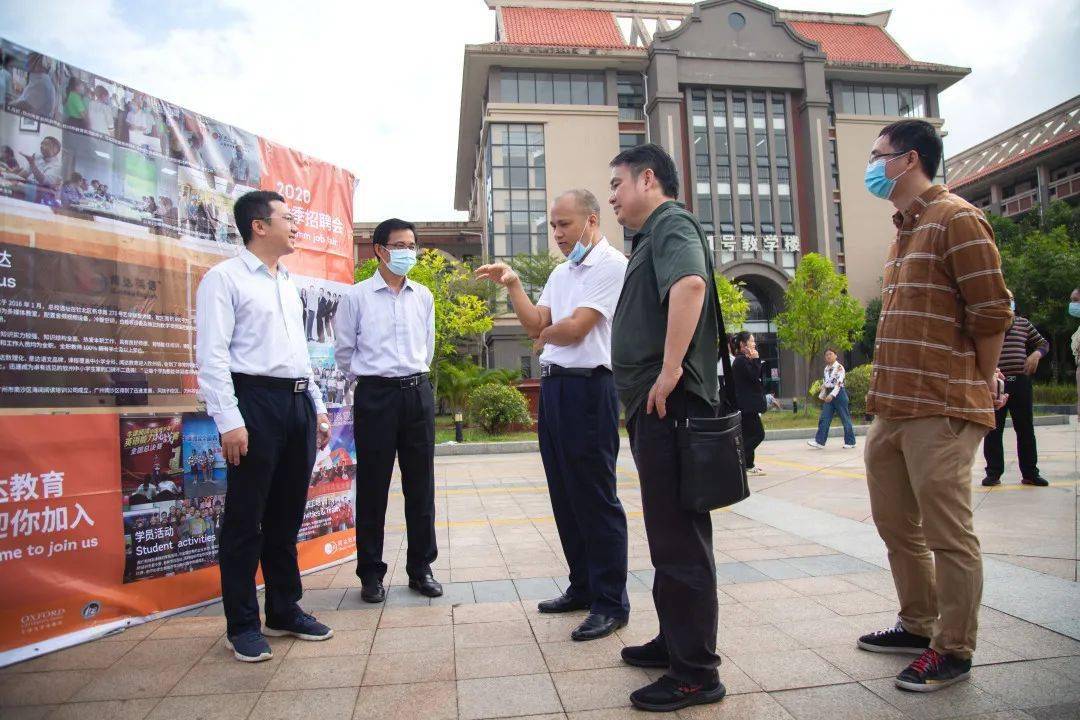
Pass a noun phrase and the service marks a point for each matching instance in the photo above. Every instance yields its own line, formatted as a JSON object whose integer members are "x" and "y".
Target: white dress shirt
{"x": 248, "y": 321}
{"x": 379, "y": 333}
{"x": 596, "y": 283}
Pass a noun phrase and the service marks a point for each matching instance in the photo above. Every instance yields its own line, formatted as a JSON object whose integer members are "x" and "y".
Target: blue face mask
{"x": 580, "y": 251}
{"x": 1074, "y": 309}
{"x": 877, "y": 182}
{"x": 1012, "y": 305}
{"x": 401, "y": 261}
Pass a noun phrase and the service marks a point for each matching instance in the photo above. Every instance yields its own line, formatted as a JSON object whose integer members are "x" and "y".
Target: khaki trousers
{"x": 919, "y": 473}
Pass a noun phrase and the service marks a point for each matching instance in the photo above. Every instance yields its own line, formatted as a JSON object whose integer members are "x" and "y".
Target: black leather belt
{"x": 296, "y": 385}
{"x": 555, "y": 370}
{"x": 409, "y": 381}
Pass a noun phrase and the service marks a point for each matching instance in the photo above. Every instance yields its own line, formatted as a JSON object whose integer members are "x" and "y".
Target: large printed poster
{"x": 113, "y": 205}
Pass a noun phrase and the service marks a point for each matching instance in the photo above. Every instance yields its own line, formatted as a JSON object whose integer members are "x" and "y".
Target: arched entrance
{"x": 766, "y": 301}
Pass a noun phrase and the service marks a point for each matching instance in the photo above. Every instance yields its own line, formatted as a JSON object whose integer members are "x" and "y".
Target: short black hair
{"x": 253, "y": 206}
{"x": 651, "y": 156}
{"x": 382, "y": 232}
{"x": 920, "y": 136}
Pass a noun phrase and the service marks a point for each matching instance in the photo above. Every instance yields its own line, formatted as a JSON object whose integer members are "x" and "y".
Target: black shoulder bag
{"x": 712, "y": 469}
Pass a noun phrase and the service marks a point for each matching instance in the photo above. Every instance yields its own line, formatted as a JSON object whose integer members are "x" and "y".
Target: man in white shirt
{"x": 43, "y": 168}
{"x": 384, "y": 338}
{"x": 579, "y": 409}
{"x": 255, "y": 376}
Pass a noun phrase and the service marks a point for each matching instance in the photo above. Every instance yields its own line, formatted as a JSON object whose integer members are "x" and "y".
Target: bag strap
{"x": 721, "y": 330}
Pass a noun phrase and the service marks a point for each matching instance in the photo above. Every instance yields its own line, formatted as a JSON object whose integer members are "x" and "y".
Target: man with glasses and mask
{"x": 579, "y": 409}
{"x": 384, "y": 339}
{"x": 945, "y": 310}
{"x": 255, "y": 376}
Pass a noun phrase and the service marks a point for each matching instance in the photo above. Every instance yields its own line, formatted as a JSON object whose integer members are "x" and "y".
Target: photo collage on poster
{"x": 173, "y": 482}
{"x": 91, "y": 148}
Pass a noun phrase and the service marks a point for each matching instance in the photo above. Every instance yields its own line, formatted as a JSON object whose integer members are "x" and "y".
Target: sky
{"x": 375, "y": 87}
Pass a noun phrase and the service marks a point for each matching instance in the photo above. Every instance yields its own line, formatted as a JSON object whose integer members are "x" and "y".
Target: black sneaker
{"x": 894, "y": 640}
{"x": 1037, "y": 481}
{"x": 668, "y": 694}
{"x": 933, "y": 671}
{"x": 302, "y": 626}
{"x": 650, "y": 655}
{"x": 249, "y": 646}
{"x": 990, "y": 481}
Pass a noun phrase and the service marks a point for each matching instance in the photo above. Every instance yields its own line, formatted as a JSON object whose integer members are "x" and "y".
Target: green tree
{"x": 818, "y": 311}
{"x": 459, "y": 315}
{"x": 1041, "y": 267}
{"x": 870, "y": 324}
{"x": 733, "y": 303}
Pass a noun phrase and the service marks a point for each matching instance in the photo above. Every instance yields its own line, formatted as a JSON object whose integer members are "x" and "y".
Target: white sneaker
{"x": 849, "y": 447}
{"x": 815, "y": 444}
{"x": 755, "y": 471}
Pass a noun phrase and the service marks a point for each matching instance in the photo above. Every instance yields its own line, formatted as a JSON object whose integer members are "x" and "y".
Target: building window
{"x": 517, "y": 202}
{"x": 742, "y": 175}
{"x": 883, "y": 100}
{"x": 630, "y": 140}
{"x": 529, "y": 86}
{"x": 631, "y": 96}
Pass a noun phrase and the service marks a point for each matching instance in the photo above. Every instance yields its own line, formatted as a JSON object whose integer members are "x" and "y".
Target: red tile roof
{"x": 846, "y": 43}
{"x": 574, "y": 28}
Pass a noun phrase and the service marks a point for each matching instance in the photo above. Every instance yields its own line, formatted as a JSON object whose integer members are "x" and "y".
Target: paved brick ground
{"x": 800, "y": 576}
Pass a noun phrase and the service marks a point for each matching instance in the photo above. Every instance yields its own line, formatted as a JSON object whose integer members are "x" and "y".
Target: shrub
{"x": 857, "y": 382}
{"x": 495, "y": 407}
{"x": 1055, "y": 393}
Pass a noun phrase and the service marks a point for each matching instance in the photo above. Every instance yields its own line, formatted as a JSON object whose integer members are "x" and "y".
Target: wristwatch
{"x": 324, "y": 426}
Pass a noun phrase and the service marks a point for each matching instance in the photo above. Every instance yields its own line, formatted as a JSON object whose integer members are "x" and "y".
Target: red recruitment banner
{"x": 320, "y": 198}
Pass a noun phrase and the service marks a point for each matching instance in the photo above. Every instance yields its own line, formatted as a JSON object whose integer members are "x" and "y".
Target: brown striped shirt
{"x": 942, "y": 286}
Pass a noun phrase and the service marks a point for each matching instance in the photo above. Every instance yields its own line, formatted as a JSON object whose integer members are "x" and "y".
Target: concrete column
{"x": 1042, "y": 176}
{"x": 814, "y": 121}
{"x": 995, "y": 199}
{"x": 663, "y": 109}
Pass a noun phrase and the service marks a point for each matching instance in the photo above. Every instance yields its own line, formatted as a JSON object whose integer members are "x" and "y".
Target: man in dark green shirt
{"x": 663, "y": 353}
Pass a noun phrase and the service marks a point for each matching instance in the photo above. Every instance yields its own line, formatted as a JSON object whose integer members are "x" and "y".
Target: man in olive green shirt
{"x": 663, "y": 353}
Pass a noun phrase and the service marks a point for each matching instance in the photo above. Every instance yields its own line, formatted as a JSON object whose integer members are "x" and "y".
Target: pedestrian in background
{"x": 749, "y": 394}
{"x": 1021, "y": 352}
{"x": 834, "y": 401}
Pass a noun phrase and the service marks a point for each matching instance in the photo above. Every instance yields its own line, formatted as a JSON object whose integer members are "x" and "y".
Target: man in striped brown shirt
{"x": 944, "y": 312}
{"x": 1024, "y": 347}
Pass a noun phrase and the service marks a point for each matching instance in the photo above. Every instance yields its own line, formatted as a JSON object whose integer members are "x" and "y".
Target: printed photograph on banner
{"x": 326, "y": 514}
{"x": 206, "y": 206}
{"x": 106, "y": 180}
{"x": 321, "y": 299}
{"x": 201, "y": 458}
{"x": 335, "y": 465}
{"x": 31, "y": 157}
{"x": 236, "y": 153}
{"x": 166, "y": 538}
{"x": 329, "y": 378}
{"x": 150, "y": 470}
{"x": 37, "y": 82}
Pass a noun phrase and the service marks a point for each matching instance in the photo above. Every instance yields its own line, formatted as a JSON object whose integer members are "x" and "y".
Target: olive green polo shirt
{"x": 669, "y": 247}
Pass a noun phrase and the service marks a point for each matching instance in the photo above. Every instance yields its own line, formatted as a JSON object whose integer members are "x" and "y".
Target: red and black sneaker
{"x": 894, "y": 640}
{"x": 933, "y": 671}
{"x": 668, "y": 694}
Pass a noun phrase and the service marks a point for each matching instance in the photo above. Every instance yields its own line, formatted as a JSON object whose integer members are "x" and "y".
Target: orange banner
{"x": 320, "y": 198}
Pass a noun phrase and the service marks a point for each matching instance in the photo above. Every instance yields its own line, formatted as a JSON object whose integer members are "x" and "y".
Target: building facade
{"x": 1024, "y": 168}
{"x": 769, "y": 115}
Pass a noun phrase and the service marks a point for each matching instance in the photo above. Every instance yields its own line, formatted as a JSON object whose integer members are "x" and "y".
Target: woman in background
{"x": 749, "y": 395}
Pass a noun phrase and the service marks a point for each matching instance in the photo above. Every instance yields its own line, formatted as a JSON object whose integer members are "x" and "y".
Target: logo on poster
{"x": 34, "y": 622}
{"x": 91, "y": 609}
{"x": 334, "y": 546}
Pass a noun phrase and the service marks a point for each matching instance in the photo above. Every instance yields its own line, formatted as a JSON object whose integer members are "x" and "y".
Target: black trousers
{"x": 680, "y": 544}
{"x": 265, "y": 500}
{"x": 1019, "y": 405}
{"x": 389, "y": 422}
{"x": 579, "y": 444}
{"x": 753, "y": 433}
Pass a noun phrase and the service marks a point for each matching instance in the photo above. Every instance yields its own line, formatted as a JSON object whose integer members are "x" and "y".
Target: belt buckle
{"x": 411, "y": 382}
{"x": 545, "y": 371}
{"x": 300, "y": 386}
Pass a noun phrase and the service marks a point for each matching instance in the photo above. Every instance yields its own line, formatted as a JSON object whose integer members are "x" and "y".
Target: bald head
{"x": 586, "y": 202}
{"x": 574, "y": 216}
